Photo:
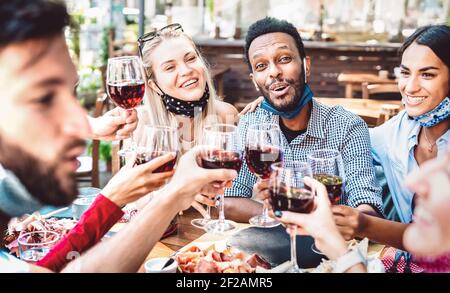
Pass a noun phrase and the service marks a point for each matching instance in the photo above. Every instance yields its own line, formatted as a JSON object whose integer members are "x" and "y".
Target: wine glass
{"x": 328, "y": 168}
{"x": 221, "y": 152}
{"x": 125, "y": 86}
{"x": 289, "y": 193}
{"x": 263, "y": 147}
{"x": 157, "y": 141}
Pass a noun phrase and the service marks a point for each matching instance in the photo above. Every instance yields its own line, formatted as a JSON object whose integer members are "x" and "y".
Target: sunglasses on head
{"x": 155, "y": 33}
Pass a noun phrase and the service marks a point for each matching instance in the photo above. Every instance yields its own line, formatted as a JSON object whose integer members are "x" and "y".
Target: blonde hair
{"x": 158, "y": 114}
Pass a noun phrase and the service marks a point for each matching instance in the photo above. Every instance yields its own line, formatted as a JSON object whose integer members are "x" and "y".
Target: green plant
{"x": 104, "y": 45}
{"x": 105, "y": 150}
{"x": 76, "y": 20}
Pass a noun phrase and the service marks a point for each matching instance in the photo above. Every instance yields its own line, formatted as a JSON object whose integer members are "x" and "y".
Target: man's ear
{"x": 307, "y": 61}
{"x": 254, "y": 83}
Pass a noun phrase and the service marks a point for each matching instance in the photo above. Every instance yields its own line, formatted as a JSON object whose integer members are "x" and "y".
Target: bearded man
{"x": 280, "y": 69}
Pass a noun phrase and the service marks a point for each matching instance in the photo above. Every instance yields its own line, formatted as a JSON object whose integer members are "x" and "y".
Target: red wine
{"x": 297, "y": 200}
{"x": 222, "y": 159}
{"x": 333, "y": 184}
{"x": 126, "y": 95}
{"x": 260, "y": 158}
{"x": 144, "y": 157}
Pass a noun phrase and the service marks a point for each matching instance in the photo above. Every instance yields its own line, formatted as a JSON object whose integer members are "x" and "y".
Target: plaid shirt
{"x": 328, "y": 128}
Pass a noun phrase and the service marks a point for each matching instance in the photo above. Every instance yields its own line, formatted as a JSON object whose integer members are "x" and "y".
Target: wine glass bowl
{"x": 220, "y": 142}
{"x": 263, "y": 147}
{"x": 288, "y": 192}
{"x": 328, "y": 168}
{"x": 125, "y": 86}
{"x": 158, "y": 141}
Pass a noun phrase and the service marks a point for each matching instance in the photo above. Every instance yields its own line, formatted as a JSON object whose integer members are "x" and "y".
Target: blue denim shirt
{"x": 393, "y": 148}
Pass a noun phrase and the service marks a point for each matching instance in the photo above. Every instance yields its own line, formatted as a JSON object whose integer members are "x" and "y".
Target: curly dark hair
{"x": 272, "y": 25}
{"x": 22, "y": 20}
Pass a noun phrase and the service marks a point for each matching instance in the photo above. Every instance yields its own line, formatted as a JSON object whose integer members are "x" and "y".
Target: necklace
{"x": 430, "y": 145}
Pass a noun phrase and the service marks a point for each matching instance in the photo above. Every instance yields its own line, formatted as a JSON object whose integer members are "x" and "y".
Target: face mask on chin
{"x": 305, "y": 96}
{"x": 435, "y": 116}
{"x": 184, "y": 108}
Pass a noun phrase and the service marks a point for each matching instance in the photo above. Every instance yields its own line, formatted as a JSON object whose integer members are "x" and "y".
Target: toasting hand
{"x": 116, "y": 124}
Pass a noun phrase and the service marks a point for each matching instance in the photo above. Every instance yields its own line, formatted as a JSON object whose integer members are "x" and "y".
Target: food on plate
{"x": 210, "y": 260}
{"x": 35, "y": 222}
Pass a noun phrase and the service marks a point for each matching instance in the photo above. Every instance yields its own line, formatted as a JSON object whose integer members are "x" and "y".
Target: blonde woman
{"x": 179, "y": 91}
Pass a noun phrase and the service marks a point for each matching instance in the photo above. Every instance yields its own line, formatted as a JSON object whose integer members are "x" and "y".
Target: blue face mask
{"x": 305, "y": 99}
{"x": 15, "y": 200}
{"x": 435, "y": 116}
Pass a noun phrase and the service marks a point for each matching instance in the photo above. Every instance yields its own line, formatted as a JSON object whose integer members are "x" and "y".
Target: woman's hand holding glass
{"x": 319, "y": 223}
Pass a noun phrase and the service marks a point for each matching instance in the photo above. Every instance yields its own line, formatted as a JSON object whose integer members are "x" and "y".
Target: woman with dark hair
{"x": 416, "y": 135}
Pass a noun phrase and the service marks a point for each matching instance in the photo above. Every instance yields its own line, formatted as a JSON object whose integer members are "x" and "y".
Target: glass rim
{"x": 291, "y": 165}
{"x": 19, "y": 239}
{"x": 255, "y": 126}
{"x": 209, "y": 128}
{"x": 337, "y": 154}
{"x": 113, "y": 59}
{"x": 161, "y": 127}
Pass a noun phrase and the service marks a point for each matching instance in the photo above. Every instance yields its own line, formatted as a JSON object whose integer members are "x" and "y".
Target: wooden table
{"x": 354, "y": 80}
{"x": 369, "y": 110}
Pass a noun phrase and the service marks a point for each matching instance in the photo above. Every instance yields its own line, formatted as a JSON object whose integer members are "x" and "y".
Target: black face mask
{"x": 184, "y": 108}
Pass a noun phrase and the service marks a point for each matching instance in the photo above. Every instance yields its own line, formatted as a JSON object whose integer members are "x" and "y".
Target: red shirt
{"x": 92, "y": 226}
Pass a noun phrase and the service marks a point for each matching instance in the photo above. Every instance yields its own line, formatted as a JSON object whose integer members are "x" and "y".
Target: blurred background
{"x": 352, "y": 44}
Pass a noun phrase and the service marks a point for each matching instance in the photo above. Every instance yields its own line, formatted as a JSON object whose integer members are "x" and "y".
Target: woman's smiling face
{"x": 424, "y": 80}
{"x": 178, "y": 70}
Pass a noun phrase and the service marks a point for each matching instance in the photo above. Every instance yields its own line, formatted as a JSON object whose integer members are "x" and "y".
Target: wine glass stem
{"x": 221, "y": 209}
{"x": 133, "y": 145}
{"x": 208, "y": 211}
{"x": 265, "y": 212}
{"x": 293, "y": 236}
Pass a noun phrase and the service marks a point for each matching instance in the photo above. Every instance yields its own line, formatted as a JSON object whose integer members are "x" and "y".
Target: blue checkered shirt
{"x": 328, "y": 128}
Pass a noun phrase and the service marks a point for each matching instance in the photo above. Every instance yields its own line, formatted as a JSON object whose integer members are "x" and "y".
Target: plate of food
{"x": 32, "y": 223}
{"x": 216, "y": 257}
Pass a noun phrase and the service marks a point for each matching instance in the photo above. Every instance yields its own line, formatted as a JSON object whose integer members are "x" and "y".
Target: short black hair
{"x": 272, "y": 25}
{"x": 435, "y": 37}
{"x": 23, "y": 20}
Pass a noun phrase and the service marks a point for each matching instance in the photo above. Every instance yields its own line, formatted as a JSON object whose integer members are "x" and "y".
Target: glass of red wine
{"x": 263, "y": 147}
{"x": 157, "y": 141}
{"x": 289, "y": 193}
{"x": 125, "y": 86}
{"x": 328, "y": 168}
{"x": 221, "y": 152}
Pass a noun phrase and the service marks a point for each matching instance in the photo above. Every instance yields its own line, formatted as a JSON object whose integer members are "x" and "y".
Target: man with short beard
{"x": 42, "y": 132}
{"x": 279, "y": 70}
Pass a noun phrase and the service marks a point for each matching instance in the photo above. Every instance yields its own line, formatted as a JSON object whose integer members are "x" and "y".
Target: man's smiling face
{"x": 277, "y": 69}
